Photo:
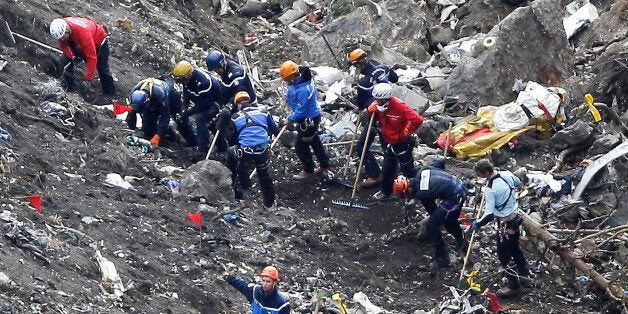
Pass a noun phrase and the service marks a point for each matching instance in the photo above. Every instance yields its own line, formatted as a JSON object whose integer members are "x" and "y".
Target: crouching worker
{"x": 432, "y": 183}
{"x": 264, "y": 298}
{"x": 157, "y": 101}
{"x": 253, "y": 127}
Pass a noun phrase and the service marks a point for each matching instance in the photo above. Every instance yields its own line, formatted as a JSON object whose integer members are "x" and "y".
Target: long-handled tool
{"x": 343, "y": 181}
{"x": 211, "y": 147}
{"x": 341, "y": 305}
{"x": 466, "y": 257}
{"x": 446, "y": 147}
{"x": 271, "y": 146}
{"x": 352, "y": 202}
{"x": 10, "y": 34}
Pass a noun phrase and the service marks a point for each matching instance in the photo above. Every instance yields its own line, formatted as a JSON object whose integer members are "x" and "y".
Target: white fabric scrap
{"x": 327, "y": 74}
{"x": 363, "y": 300}
{"x": 115, "y": 180}
{"x": 578, "y": 14}
{"x": 110, "y": 281}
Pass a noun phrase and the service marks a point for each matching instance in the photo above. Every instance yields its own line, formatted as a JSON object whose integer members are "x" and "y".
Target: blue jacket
{"x": 253, "y": 125}
{"x": 302, "y": 97}
{"x": 235, "y": 80}
{"x": 500, "y": 198}
{"x": 203, "y": 90}
{"x": 274, "y": 303}
{"x": 372, "y": 75}
{"x": 433, "y": 183}
{"x": 164, "y": 100}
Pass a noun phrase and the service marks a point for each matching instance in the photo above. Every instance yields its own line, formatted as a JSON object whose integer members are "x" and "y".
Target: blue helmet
{"x": 214, "y": 60}
{"x": 139, "y": 97}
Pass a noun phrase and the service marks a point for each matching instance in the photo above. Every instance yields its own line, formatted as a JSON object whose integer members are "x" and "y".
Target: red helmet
{"x": 400, "y": 186}
{"x": 270, "y": 272}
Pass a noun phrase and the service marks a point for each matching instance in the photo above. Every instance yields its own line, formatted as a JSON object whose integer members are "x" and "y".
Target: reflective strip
{"x": 424, "y": 183}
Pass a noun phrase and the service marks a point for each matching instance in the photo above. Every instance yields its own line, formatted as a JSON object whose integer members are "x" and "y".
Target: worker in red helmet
{"x": 430, "y": 184}
{"x": 264, "y": 298}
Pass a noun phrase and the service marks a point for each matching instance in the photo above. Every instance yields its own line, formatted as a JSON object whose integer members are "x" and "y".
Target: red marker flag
{"x": 35, "y": 201}
{"x": 120, "y": 109}
{"x": 197, "y": 218}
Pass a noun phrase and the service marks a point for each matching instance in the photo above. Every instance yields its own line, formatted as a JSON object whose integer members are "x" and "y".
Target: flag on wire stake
{"x": 120, "y": 109}
{"x": 35, "y": 202}
{"x": 197, "y": 218}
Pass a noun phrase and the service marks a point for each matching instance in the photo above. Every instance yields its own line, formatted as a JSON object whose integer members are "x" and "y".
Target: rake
{"x": 352, "y": 201}
{"x": 343, "y": 181}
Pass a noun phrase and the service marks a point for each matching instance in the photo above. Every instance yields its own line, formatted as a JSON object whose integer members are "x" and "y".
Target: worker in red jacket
{"x": 81, "y": 38}
{"x": 397, "y": 123}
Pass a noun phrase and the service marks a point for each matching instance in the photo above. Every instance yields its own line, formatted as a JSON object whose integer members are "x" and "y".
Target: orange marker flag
{"x": 35, "y": 201}
{"x": 197, "y": 218}
{"x": 120, "y": 109}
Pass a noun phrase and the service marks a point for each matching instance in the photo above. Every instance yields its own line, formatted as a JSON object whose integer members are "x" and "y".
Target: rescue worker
{"x": 156, "y": 101}
{"x": 204, "y": 92}
{"x": 430, "y": 184}
{"x": 232, "y": 75}
{"x": 265, "y": 298}
{"x": 81, "y": 38}
{"x": 253, "y": 127}
{"x": 398, "y": 122}
{"x": 302, "y": 99}
{"x": 500, "y": 201}
{"x": 372, "y": 74}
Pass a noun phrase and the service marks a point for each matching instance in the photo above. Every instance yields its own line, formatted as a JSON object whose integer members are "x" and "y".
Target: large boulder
{"x": 530, "y": 45}
{"x": 208, "y": 178}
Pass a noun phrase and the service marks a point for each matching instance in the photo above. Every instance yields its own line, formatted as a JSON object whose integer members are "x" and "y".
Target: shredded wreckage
{"x": 569, "y": 149}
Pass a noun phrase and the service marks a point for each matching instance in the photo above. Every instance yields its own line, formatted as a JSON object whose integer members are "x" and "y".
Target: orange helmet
{"x": 400, "y": 185}
{"x": 288, "y": 68}
{"x": 240, "y": 96}
{"x": 356, "y": 55}
{"x": 270, "y": 272}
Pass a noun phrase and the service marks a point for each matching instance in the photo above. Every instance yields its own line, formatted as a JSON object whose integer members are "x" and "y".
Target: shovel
{"x": 352, "y": 201}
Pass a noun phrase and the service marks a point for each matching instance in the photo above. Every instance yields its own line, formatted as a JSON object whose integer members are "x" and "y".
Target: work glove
{"x": 155, "y": 140}
{"x": 372, "y": 108}
{"x": 475, "y": 225}
{"x": 405, "y": 133}
{"x": 224, "y": 275}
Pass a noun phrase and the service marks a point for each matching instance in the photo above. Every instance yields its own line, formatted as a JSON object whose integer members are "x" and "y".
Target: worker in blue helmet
{"x": 232, "y": 75}
{"x": 156, "y": 101}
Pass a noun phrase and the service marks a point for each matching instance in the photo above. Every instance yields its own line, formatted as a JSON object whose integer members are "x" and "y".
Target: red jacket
{"x": 87, "y": 36}
{"x": 398, "y": 121}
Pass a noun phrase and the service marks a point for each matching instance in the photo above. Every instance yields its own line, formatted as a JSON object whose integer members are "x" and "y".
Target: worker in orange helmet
{"x": 264, "y": 298}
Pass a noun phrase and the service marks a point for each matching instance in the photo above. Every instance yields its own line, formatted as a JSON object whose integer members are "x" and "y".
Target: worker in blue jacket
{"x": 500, "y": 202}
{"x": 302, "y": 99}
{"x": 265, "y": 298}
{"x": 156, "y": 101}
{"x": 430, "y": 184}
{"x": 371, "y": 75}
{"x": 232, "y": 75}
{"x": 205, "y": 92}
{"x": 253, "y": 127}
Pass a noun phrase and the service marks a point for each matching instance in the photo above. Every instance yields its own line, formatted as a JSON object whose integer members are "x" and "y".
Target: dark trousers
{"x": 203, "y": 127}
{"x": 307, "y": 136}
{"x": 102, "y": 66}
{"x": 240, "y": 162}
{"x": 398, "y": 155}
{"x": 371, "y": 168}
{"x": 445, "y": 215}
{"x": 508, "y": 249}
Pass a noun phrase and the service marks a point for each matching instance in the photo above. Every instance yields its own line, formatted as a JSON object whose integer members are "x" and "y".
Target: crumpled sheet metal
{"x": 110, "y": 281}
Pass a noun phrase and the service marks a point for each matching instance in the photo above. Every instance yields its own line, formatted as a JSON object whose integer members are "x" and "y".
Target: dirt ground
{"x": 166, "y": 262}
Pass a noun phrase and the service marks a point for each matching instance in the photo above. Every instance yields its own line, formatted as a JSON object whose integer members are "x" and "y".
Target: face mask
{"x": 382, "y": 108}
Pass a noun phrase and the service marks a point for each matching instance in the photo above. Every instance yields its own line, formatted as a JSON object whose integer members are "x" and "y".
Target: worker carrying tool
{"x": 253, "y": 127}
{"x": 501, "y": 203}
{"x": 433, "y": 183}
{"x": 83, "y": 39}
{"x": 371, "y": 75}
{"x": 398, "y": 122}
{"x": 265, "y": 298}
{"x": 157, "y": 101}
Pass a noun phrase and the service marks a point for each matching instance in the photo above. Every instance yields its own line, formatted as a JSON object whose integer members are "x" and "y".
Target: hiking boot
{"x": 525, "y": 281}
{"x": 380, "y": 196}
{"x": 442, "y": 261}
{"x": 506, "y": 293}
{"x": 321, "y": 170}
{"x": 371, "y": 182}
{"x": 301, "y": 175}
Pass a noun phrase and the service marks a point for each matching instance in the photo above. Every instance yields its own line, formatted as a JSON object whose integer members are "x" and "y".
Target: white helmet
{"x": 58, "y": 27}
{"x": 382, "y": 91}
